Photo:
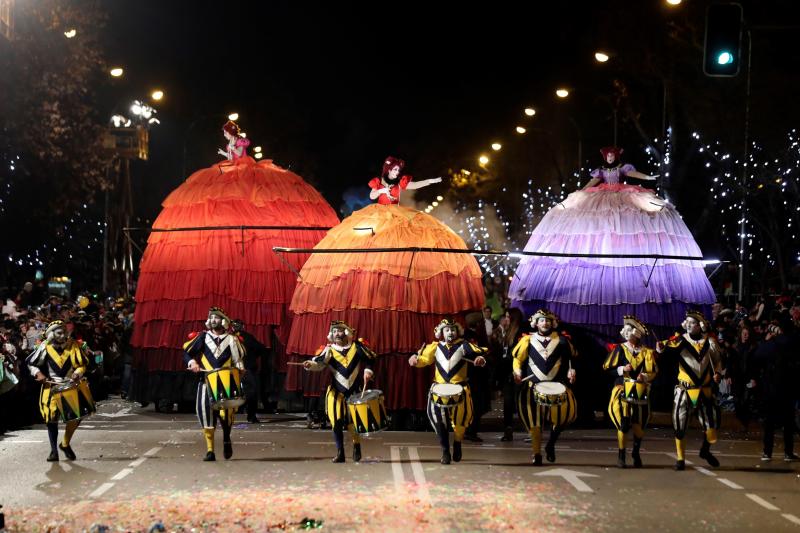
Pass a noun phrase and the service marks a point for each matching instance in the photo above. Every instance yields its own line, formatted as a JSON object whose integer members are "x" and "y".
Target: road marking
{"x": 152, "y": 451}
{"x": 791, "y": 518}
{"x": 122, "y": 474}
{"x": 99, "y": 491}
{"x": 571, "y": 476}
{"x": 419, "y": 475}
{"x": 401, "y": 443}
{"x": 762, "y": 502}
{"x": 675, "y": 456}
{"x": 101, "y": 442}
{"x": 397, "y": 469}
{"x": 137, "y": 462}
{"x": 708, "y": 472}
{"x": 730, "y": 483}
{"x": 21, "y": 441}
{"x": 125, "y": 472}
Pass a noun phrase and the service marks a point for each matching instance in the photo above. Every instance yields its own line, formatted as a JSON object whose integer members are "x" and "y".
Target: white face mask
{"x": 449, "y": 333}
{"x": 59, "y": 336}
{"x": 692, "y": 326}
{"x": 339, "y": 336}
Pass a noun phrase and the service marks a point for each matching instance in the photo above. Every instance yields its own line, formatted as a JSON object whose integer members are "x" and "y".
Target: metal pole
{"x": 745, "y": 170}
{"x": 105, "y": 246}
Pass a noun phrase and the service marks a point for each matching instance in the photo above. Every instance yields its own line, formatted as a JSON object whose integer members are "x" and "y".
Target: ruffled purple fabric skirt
{"x": 612, "y": 219}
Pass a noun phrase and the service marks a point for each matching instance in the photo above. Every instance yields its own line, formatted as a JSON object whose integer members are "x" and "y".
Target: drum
{"x": 636, "y": 392}
{"x": 446, "y": 395}
{"x": 224, "y": 387}
{"x": 73, "y": 400}
{"x": 550, "y": 393}
{"x": 367, "y": 412}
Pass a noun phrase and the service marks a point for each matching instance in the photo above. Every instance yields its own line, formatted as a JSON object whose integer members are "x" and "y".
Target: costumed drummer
{"x": 544, "y": 360}
{"x": 57, "y": 362}
{"x": 699, "y": 362}
{"x": 214, "y": 349}
{"x": 344, "y": 355}
{"x": 633, "y": 368}
{"x": 450, "y": 355}
{"x": 388, "y": 187}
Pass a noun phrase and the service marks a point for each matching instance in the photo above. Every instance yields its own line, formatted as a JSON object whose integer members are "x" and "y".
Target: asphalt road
{"x": 136, "y": 468}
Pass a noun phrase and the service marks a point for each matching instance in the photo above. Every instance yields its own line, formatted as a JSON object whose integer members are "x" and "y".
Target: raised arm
{"x": 422, "y": 183}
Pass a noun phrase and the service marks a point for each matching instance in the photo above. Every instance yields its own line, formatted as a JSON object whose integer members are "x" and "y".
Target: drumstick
{"x": 363, "y": 389}
{"x": 529, "y": 377}
{"x": 296, "y": 364}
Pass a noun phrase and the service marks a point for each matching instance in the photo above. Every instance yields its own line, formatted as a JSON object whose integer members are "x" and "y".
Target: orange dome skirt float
{"x": 393, "y": 299}
{"x": 211, "y": 245}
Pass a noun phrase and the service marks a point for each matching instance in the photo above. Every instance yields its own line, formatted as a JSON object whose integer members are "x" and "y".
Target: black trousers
{"x": 776, "y": 413}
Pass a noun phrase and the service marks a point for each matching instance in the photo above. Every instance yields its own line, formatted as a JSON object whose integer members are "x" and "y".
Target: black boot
{"x": 445, "y": 456}
{"x": 621, "y": 459}
{"x": 339, "y": 456}
{"x": 53, "y": 457}
{"x": 537, "y": 459}
{"x": 680, "y": 464}
{"x": 705, "y": 453}
{"x": 356, "y": 452}
{"x": 456, "y": 451}
{"x": 550, "y": 449}
{"x": 637, "y": 459}
{"x": 210, "y": 457}
{"x": 508, "y": 435}
{"x": 227, "y": 449}
{"x": 67, "y": 452}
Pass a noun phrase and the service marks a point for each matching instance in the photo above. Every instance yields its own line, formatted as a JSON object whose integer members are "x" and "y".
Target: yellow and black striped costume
{"x": 546, "y": 359}
{"x": 347, "y": 365}
{"x": 624, "y": 415}
{"x": 698, "y": 360}
{"x": 58, "y": 365}
{"x": 213, "y": 352}
{"x": 450, "y": 368}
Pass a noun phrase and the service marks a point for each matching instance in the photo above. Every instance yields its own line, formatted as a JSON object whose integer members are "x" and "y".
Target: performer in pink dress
{"x": 237, "y": 143}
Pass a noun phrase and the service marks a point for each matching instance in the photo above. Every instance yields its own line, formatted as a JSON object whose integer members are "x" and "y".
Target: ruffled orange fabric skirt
{"x": 393, "y": 299}
{"x": 183, "y": 273}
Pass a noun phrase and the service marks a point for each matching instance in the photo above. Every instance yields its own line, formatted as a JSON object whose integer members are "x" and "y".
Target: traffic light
{"x": 723, "y": 43}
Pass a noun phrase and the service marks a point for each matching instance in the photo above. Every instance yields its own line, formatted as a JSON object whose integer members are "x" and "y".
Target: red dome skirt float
{"x": 183, "y": 273}
{"x": 392, "y": 299}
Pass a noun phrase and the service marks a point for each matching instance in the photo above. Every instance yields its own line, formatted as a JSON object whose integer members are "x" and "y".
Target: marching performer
{"x": 209, "y": 350}
{"x": 344, "y": 356}
{"x": 388, "y": 187}
{"x": 450, "y": 355}
{"x": 635, "y": 364}
{"x": 545, "y": 356}
{"x": 60, "y": 360}
{"x": 699, "y": 362}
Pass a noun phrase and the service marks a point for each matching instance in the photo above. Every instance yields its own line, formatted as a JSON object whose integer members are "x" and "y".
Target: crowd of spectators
{"x": 105, "y": 325}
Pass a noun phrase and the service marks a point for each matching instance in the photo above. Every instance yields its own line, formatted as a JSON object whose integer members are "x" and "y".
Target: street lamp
{"x": 530, "y": 111}
{"x": 601, "y": 57}
{"x": 483, "y": 160}
{"x": 157, "y": 95}
{"x": 70, "y": 33}
{"x": 496, "y": 146}
{"x": 521, "y": 130}
{"x": 116, "y": 72}
{"x": 674, "y": 2}
{"x": 562, "y": 93}
{"x": 233, "y": 116}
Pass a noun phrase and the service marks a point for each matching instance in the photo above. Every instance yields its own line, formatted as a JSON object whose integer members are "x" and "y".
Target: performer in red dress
{"x": 387, "y": 188}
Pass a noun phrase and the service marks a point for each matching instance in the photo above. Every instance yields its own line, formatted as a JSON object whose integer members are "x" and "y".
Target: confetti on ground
{"x": 513, "y": 505}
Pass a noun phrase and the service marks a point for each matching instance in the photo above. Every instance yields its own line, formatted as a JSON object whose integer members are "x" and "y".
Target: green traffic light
{"x": 725, "y": 58}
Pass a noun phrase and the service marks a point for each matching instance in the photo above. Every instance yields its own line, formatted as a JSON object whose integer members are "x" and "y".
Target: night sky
{"x": 330, "y": 89}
